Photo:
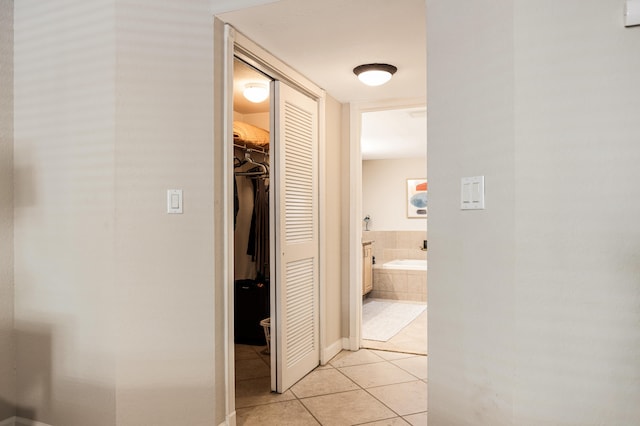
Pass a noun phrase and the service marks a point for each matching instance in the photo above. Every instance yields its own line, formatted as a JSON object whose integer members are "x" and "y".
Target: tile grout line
{"x": 304, "y": 406}
{"x": 407, "y": 371}
{"x": 397, "y": 415}
{"x": 353, "y": 390}
{"x": 381, "y": 402}
{"x": 329, "y": 365}
{"x": 417, "y": 379}
{"x": 360, "y": 388}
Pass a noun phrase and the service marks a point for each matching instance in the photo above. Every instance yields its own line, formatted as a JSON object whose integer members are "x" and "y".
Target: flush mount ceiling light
{"x": 256, "y": 92}
{"x": 374, "y": 74}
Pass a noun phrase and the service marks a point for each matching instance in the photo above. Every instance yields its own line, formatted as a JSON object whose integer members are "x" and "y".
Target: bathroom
{"x": 394, "y": 207}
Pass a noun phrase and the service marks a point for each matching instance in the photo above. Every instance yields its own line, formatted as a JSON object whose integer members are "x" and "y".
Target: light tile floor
{"x": 411, "y": 339}
{"x": 367, "y": 387}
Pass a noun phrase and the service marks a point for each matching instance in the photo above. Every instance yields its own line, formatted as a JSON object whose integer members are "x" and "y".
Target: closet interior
{"x": 252, "y": 167}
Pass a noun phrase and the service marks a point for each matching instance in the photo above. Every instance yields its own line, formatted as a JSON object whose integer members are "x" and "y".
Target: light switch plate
{"x": 472, "y": 193}
{"x": 174, "y": 201}
{"x": 632, "y": 13}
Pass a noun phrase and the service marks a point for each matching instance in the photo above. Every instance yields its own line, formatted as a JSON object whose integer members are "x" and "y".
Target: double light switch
{"x": 472, "y": 193}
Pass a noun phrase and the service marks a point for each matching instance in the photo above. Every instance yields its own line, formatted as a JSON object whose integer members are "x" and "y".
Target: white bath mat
{"x": 381, "y": 320}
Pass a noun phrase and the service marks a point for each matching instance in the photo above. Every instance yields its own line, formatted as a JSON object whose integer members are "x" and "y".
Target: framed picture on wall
{"x": 416, "y": 198}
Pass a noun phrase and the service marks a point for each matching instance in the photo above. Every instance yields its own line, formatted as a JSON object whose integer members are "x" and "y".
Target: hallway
{"x": 367, "y": 387}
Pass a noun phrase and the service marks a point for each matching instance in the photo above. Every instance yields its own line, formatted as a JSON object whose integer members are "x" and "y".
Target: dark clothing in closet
{"x": 258, "y": 247}
{"x": 236, "y": 202}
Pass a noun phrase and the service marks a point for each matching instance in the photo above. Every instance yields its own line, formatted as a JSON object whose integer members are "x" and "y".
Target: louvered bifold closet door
{"x": 297, "y": 283}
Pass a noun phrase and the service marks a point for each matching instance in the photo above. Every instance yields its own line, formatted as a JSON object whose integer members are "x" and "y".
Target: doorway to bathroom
{"x": 394, "y": 192}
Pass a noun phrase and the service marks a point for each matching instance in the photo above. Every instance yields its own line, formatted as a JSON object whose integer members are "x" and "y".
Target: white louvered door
{"x": 296, "y": 261}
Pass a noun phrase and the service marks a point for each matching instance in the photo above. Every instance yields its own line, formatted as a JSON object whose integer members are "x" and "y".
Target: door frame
{"x": 236, "y": 44}
{"x": 354, "y": 259}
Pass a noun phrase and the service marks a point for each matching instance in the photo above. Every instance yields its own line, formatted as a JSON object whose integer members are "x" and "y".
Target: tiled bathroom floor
{"x": 367, "y": 387}
{"x": 412, "y": 339}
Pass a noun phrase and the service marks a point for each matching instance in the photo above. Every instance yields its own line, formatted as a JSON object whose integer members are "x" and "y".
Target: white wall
{"x": 471, "y": 260}
{"x": 578, "y": 266}
{"x": 331, "y": 187}
{"x": 384, "y": 193}
{"x": 114, "y": 298}
{"x": 164, "y": 263}
{"x": 259, "y": 119}
{"x": 64, "y": 211}
{"x": 119, "y": 317}
{"x": 535, "y": 300}
{"x": 7, "y": 346}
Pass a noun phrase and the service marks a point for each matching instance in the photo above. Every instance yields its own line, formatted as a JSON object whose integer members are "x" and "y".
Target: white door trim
{"x": 354, "y": 263}
{"x": 235, "y": 43}
{"x": 223, "y": 342}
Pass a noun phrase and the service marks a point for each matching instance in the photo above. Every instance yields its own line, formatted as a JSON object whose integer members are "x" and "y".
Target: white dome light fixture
{"x": 374, "y": 74}
{"x": 256, "y": 92}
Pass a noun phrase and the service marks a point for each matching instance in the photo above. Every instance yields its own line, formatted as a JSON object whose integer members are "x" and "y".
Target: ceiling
{"x": 394, "y": 134}
{"x": 325, "y": 39}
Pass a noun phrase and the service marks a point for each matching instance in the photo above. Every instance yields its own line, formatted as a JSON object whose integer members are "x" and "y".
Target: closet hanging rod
{"x": 256, "y": 173}
{"x": 247, "y": 159}
{"x": 247, "y": 149}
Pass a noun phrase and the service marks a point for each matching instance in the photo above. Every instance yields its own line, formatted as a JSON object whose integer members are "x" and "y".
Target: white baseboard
{"x": 346, "y": 345}
{"x": 11, "y": 421}
{"x": 21, "y": 421}
{"x": 231, "y": 420}
{"x": 332, "y": 350}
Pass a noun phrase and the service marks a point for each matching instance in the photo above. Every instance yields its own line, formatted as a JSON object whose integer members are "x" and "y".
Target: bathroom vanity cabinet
{"x": 367, "y": 267}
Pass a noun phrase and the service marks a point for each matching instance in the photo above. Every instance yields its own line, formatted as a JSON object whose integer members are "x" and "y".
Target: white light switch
{"x": 475, "y": 192}
{"x": 472, "y": 193}
{"x": 174, "y": 201}
{"x": 632, "y": 13}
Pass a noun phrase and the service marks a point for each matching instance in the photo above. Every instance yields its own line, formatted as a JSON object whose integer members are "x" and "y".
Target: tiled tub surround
{"x": 398, "y": 284}
{"x": 391, "y": 245}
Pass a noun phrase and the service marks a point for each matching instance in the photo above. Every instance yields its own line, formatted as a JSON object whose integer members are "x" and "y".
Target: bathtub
{"x": 401, "y": 279}
{"x": 406, "y": 264}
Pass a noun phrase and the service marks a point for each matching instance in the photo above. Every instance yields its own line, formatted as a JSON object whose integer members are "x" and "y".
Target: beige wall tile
{"x": 416, "y": 284}
{"x": 390, "y": 239}
{"x": 398, "y": 281}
